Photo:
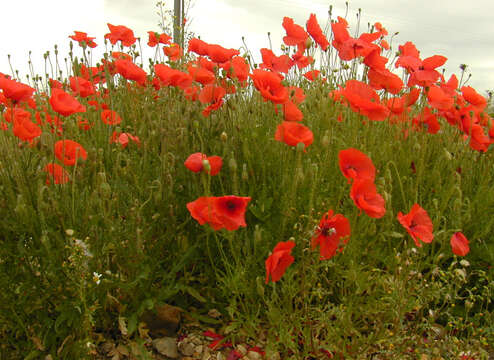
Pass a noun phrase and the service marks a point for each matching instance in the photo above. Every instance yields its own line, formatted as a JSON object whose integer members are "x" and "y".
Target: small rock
{"x": 186, "y": 348}
{"x": 254, "y": 355}
{"x": 241, "y": 349}
{"x": 164, "y": 320}
{"x": 166, "y": 346}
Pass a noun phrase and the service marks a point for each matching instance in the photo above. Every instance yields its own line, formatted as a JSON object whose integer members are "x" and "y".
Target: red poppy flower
{"x": 291, "y": 112}
{"x": 14, "y": 90}
{"x": 281, "y": 63}
{"x": 69, "y": 152}
{"x": 83, "y": 39}
{"x": 219, "y": 54}
{"x": 332, "y": 233}
{"x": 385, "y": 79}
{"x": 65, "y": 104}
{"x": 459, "y": 244}
{"x": 312, "y": 75}
{"x": 295, "y": 34}
{"x": 81, "y": 86}
{"x": 365, "y": 197}
{"x": 364, "y": 99}
{"x": 195, "y": 163}
{"x": 155, "y": 38}
{"x": 354, "y": 164}
{"x": 172, "y": 77}
{"x": 110, "y": 117}
{"x": 23, "y": 127}
{"x": 315, "y": 31}
{"x": 122, "y": 33}
{"x": 418, "y": 224}
{"x": 123, "y": 139}
{"x": 230, "y": 210}
{"x": 439, "y": 99}
{"x": 280, "y": 259}
{"x": 131, "y": 71}
{"x": 474, "y": 98}
{"x": 212, "y": 95}
{"x": 292, "y": 133}
{"x": 174, "y": 52}
{"x": 270, "y": 86}
{"x": 198, "y": 46}
{"x": 201, "y": 75}
{"x": 202, "y": 210}
{"x": 56, "y": 173}
{"x": 236, "y": 68}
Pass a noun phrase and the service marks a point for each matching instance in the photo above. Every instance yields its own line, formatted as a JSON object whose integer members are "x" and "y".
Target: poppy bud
{"x": 325, "y": 140}
{"x": 300, "y": 147}
{"x": 206, "y": 165}
{"x": 232, "y": 164}
{"x": 224, "y": 136}
{"x": 245, "y": 175}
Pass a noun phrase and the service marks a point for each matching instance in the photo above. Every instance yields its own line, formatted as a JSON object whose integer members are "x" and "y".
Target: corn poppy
{"x": 201, "y": 74}
{"x": 172, "y": 77}
{"x": 270, "y": 61}
{"x": 155, "y": 38}
{"x": 385, "y": 79}
{"x": 65, "y": 104}
{"x": 195, "y": 163}
{"x": 83, "y": 39}
{"x": 474, "y": 98}
{"x": 15, "y": 90}
{"x": 270, "y": 86}
{"x": 291, "y": 112}
{"x": 198, "y": 46}
{"x": 331, "y": 234}
{"x": 459, "y": 244}
{"x": 292, "y": 133}
{"x": 230, "y": 210}
{"x": 236, "y": 68}
{"x": 418, "y": 224}
{"x": 131, "y": 71}
{"x": 174, "y": 52}
{"x": 219, "y": 54}
{"x": 110, "y": 117}
{"x": 315, "y": 31}
{"x": 295, "y": 34}
{"x": 81, "y": 86}
{"x": 123, "y": 139}
{"x": 25, "y": 129}
{"x": 279, "y": 260}
{"x": 56, "y": 173}
{"x": 69, "y": 152}
{"x": 364, "y": 99}
{"x": 354, "y": 164}
{"x": 365, "y": 197}
{"x": 122, "y": 33}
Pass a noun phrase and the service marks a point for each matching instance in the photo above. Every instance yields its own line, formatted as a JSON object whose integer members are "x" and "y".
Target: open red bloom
{"x": 418, "y": 224}
{"x": 332, "y": 233}
{"x": 364, "y": 100}
{"x": 354, "y": 164}
{"x": 110, "y": 117}
{"x": 219, "y": 54}
{"x": 56, "y": 173}
{"x": 459, "y": 244}
{"x": 269, "y": 85}
{"x": 155, "y": 38}
{"x": 82, "y": 38}
{"x": 270, "y": 61}
{"x": 220, "y": 212}
{"x": 81, "y": 86}
{"x": 195, "y": 163}
{"x": 292, "y": 133}
{"x": 131, "y": 71}
{"x": 230, "y": 210}
{"x": 291, "y": 112}
{"x": 123, "y": 139}
{"x": 279, "y": 260}
{"x": 15, "y": 90}
{"x": 122, "y": 33}
{"x": 365, "y": 196}
{"x": 69, "y": 152}
{"x": 295, "y": 34}
{"x": 23, "y": 127}
{"x": 174, "y": 52}
{"x": 172, "y": 77}
{"x": 315, "y": 31}
{"x": 65, "y": 104}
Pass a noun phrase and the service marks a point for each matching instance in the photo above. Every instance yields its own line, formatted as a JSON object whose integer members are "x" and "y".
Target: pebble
{"x": 166, "y": 346}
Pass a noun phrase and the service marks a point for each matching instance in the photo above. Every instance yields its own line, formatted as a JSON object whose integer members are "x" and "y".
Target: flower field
{"x": 334, "y": 201}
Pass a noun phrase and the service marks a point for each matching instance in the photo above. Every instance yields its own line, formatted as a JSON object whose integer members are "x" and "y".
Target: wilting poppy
{"x": 65, "y": 104}
{"x": 354, "y": 164}
{"x": 331, "y": 234}
{"x": 122, "y": 33}
{"x": 195, "y": 163}
{"x": 69, "y": 152}
{"x": 459, "y": 244}
{"x": 365, "y": 197}
{"x": 418, "y": 224}
{"x": 110, "y": 117}
{"x": 230, "y": 210}
{"x": 56, "y": 173}
{"x": 292, "y": 133}
{"x": 280, "y": 259}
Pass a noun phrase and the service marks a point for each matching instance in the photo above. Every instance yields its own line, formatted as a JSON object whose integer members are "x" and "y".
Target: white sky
{"x": 458, "y": 29}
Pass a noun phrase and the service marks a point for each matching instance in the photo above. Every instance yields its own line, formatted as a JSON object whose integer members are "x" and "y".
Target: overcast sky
{"x": 453, "y": 28}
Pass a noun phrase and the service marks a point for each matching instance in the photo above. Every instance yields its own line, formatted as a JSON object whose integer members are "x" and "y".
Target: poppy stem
{"x": 399, "y": 181}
